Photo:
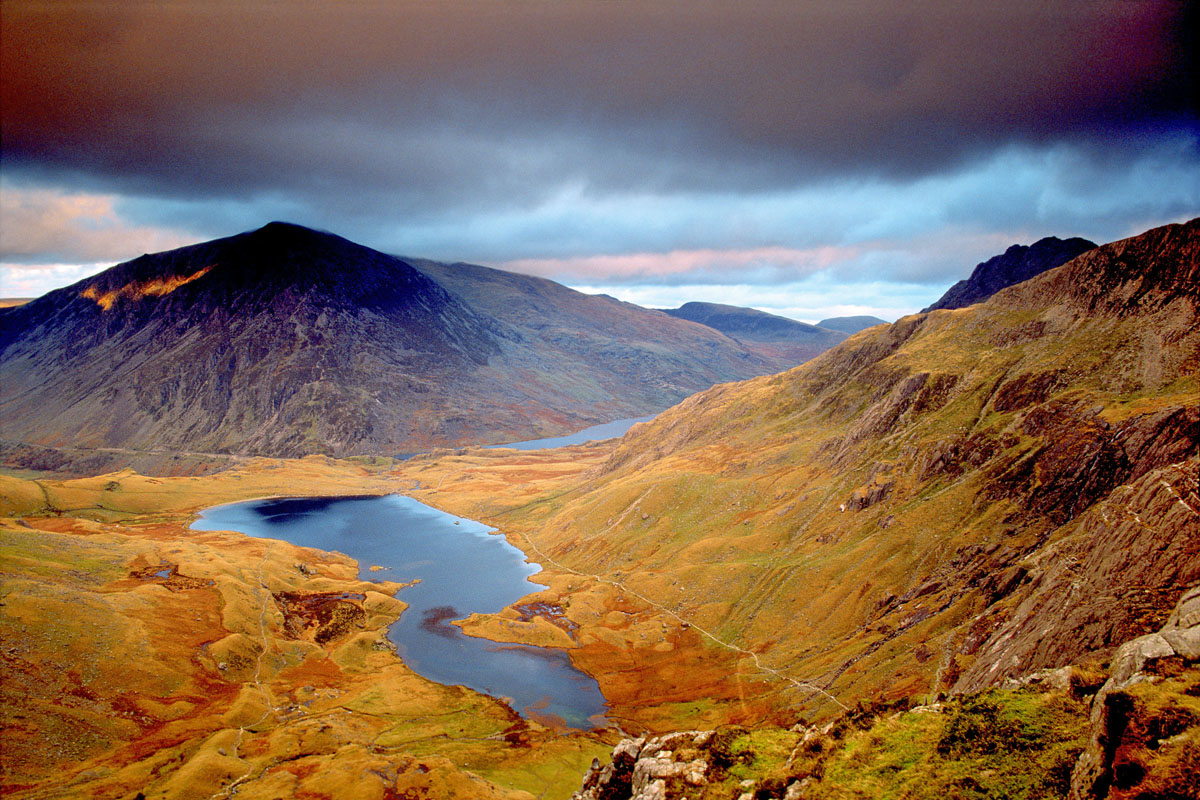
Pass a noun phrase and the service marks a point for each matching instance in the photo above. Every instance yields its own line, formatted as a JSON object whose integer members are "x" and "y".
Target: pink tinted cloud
{"x": 74, "y": 226}
{"x": 792, "y": 261}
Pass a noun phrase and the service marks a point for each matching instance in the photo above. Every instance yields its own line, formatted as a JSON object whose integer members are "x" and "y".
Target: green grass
{"x": 762, "y": 752}
{"x": 1020, "y": 745}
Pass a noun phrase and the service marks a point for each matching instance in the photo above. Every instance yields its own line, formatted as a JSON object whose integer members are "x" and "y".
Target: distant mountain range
{"x": 771, "y": 336}
{"x": 1017, "y": 263}
{"x": 286, "y": 341}
{"x": 851, "y": 325}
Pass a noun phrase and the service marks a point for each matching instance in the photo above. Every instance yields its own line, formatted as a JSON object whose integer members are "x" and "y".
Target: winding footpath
{"x": 803, "y": 685}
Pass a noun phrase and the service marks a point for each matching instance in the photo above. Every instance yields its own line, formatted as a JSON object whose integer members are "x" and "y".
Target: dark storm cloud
{"x": 423, "y": 107}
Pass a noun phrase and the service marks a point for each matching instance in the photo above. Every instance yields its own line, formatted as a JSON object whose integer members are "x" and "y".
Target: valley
{"x": 964, "y": 527}
{"x": 580, "y": 400}
{"x": 291, "y": 702}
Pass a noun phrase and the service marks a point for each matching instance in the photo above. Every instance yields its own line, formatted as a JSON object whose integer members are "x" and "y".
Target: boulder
{"x": 1180, "y": 637}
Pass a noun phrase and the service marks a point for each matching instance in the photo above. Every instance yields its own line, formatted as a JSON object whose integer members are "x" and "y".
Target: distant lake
{"x": 462, "y": 567}
{"x": 607, "y": 430}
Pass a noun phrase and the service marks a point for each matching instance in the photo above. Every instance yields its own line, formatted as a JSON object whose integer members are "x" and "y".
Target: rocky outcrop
{"x": 1114, "y": 574}
{"x": 651, "y": 769}
{"x": 1017, "y": 263}
{"x": 1141, "y": 275}
{"x": 1102, "y": 767}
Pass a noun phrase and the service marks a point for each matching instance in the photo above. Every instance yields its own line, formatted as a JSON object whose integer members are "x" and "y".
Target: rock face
{"x": 770, "y": 335}
{"x": 1109, "y": 577}
{"x": 1106, "y": 763}
{"x": 1017, "y": 263}
{"x": 286, "y": 341}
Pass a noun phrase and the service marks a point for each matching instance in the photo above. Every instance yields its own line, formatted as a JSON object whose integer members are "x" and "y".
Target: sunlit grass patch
{"x": 1020, "y": 744}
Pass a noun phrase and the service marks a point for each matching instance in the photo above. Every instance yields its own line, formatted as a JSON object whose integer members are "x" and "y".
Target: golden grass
{"x": 188, "y": 660}
{"x": 156, "y": 287}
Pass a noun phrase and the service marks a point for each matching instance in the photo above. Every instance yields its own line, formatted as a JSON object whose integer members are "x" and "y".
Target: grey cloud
{"x": 435, "y": 106}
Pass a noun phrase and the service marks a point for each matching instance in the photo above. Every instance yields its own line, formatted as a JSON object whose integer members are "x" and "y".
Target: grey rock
{"x": 1179, "y": 637}
{"x": 1185, "y": 643}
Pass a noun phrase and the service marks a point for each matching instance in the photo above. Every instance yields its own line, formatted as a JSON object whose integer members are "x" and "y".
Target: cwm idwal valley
{"x": 652, "y": 401}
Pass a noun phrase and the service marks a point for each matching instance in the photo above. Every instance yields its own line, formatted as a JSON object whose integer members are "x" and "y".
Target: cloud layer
{"x": 607, "y": 139}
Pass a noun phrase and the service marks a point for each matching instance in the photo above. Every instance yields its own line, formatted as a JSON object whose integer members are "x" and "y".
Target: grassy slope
{"x": 864, "y": 521}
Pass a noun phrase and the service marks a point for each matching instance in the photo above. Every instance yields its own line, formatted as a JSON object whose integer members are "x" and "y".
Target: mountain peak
{"x": 251, "y": 268}
{"x": 1016, "y": 264}
{"x": 1150, "y": 270}
{"x": 281, "y": 232}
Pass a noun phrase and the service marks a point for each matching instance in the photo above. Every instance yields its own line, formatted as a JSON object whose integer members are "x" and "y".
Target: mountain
{"x": 1017, "y": 263}
{"x": 286, "y": 341}
{"x": 938, "y": 504}
{"x": 778, "y": 338}
{"x": 850, "y": 325}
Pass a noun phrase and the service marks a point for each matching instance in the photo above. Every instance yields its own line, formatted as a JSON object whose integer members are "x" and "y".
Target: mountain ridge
{"x": 851, "y": 325}
{"x": 1016, "y": 264}
{"x": 769, "y": 334}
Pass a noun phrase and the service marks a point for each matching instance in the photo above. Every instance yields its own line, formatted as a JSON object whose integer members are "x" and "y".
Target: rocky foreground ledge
{"x": 1068, "y": 732}
{"x": 641, "y": 768}
{"x": 1118, "y": 731}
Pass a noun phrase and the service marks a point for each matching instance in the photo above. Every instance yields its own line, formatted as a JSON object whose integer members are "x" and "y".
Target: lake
{"x": 463, "y": 568}
{"x": 607, "y": 430}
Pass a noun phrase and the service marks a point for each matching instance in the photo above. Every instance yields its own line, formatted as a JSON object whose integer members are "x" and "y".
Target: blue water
{"x": 607, "y": 430}
{"x": 462, "y": 567}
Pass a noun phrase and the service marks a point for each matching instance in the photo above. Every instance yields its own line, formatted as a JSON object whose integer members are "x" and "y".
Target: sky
{"x": 811, "y": 159}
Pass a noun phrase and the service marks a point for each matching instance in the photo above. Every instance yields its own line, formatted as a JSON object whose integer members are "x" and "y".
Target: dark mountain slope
{"x": 936, "y": 504}
{"x": 787, "y": 340}
{"x": 1017, "y": 263}
{"x": 560, "y": 340}
{"x": 286, "y": 341}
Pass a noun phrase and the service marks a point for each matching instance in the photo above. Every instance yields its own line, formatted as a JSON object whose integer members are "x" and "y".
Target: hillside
{"x": 1017, "y": 263}
{"x": 939, "y": 504}
{"x": 287, "y": 341}
{"x": 778, "y": 338}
